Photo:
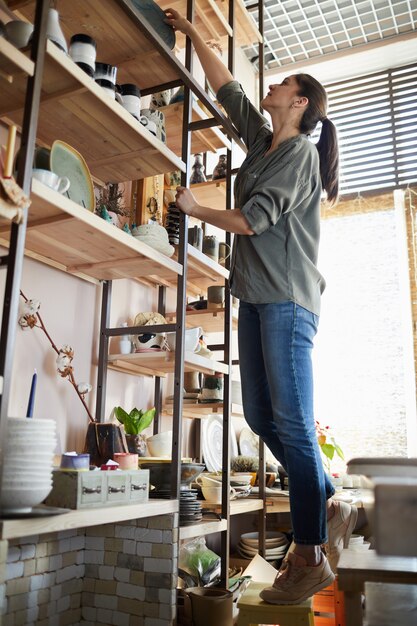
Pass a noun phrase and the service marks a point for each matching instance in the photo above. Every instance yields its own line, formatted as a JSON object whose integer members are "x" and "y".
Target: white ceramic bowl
{"x": 355, "y": 539}
{"x": 18, "y": 32}
{"x": 23, "y": 499}
{"x": 30, "y": 423}
{"x": 360, "y": 547}
{"x": 160, "y": 444}
{"x": 192, "y": 335}
{"x": 272, "y": 538}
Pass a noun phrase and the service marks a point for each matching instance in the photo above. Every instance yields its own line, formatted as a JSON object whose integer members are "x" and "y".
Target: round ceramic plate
{"x": 66, "y": 161}
{"x": 248, "y": 443}
{"x": 155, "y": 16}
{"x": 213, "y": 441}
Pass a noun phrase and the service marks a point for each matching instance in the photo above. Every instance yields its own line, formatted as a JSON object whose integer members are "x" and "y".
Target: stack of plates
{"x": 190, "y": 507}
{"x": 276, "y": 545}
{"x": 155, "y": 236}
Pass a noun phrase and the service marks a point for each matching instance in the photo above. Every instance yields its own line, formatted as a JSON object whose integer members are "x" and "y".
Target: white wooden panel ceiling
{"x": 297, "y": 30}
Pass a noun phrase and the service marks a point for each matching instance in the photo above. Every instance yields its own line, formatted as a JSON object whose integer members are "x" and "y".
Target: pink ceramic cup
{"x": 126, "y": 460}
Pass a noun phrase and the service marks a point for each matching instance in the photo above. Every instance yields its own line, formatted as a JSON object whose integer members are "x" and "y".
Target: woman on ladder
{"x": 275, "y": 276}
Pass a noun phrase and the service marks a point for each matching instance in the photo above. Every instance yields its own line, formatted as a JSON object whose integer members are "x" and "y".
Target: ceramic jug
{"x": 54, "y": 32}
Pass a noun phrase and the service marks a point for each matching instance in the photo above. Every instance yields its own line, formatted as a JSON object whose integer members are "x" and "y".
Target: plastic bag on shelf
{"x": 199, "y": 561}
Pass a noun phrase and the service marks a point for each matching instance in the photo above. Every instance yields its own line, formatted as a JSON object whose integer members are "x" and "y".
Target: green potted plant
{"x": 328, "y": 445}
{"x": 134, "y": 423}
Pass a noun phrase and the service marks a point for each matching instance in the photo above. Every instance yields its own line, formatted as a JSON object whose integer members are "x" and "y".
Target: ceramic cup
{"x": 158, "y": 118}
{"x": 18, "y": 33}
{"x": 224, "y": 252}
{"x": 52, "y": 180}
{"x": 195, "y": 237}
{"x": 211, "y": 247}
{"x": 130, "y": 95}
{"x": 215, "y": 297}
{"x": 105, "y": 71}
{"x": 109, "y": 89}
{"x": 75, "y": 462}
{"x": 212, "y": 387}
{"x": 213, "y": 493}
{"x": 126, "y": 460}
{"x": 83, "y": 52}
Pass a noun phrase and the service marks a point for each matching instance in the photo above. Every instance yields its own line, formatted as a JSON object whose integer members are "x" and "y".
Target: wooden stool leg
{"x": 353, "y": 608}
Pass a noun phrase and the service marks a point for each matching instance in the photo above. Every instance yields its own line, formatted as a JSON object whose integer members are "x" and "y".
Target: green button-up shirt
{"x": 279, "y": 194}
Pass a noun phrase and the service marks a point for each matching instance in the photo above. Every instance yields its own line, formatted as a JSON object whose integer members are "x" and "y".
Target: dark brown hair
{"x": 327, "y": 145}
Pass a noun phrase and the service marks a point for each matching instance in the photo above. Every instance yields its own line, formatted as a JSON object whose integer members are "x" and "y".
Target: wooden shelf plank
{"x": 200, "y": 411}
{"x": 246, "y": 32}
{"x": 208, "y": 18}
{"x": 119, "y": 41}
{"x": 212, "y": 193}
{"x": 14, "y": 528}
{"x": 210, "y": 320}
{"x": 237, "y": 507}
{"x": 207, "y": 140}
{"x": 12, "y": 63}
{"x": 77, "y": 110}
{"x": 203, "y": 272}
{"x": 202, "y": 528}
{"x": 84, "y": 244}
{"x": 161, "y": 363}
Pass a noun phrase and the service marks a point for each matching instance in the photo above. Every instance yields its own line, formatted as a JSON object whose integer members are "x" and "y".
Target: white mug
{"x": 61, "y": 184}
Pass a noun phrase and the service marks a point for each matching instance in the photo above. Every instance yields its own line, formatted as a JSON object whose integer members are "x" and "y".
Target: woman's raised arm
{"x": 216, "y": 72}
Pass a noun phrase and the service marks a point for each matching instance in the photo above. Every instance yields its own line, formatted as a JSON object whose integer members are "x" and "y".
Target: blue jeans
{"x": 275, "y": 344}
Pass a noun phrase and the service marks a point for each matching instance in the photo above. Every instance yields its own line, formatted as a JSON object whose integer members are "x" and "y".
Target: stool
{"x": 254, "y": 611}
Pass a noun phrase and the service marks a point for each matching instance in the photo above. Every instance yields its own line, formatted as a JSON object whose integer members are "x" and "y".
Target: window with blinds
{"x": 376, "y": 119}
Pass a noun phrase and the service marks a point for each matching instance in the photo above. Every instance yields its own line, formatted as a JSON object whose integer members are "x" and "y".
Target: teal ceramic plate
{"x": 66, "y": 161}
{"x": 155, "y": 16}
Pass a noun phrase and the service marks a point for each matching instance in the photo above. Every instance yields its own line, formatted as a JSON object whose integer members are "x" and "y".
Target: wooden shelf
{"x": 237, "y": 507}
{"x": 207, "y": 140}
{"x": 210, "y": 21}
{"x": 200, "y": 411}
{"x": 76, "y": 110}
{"x": 12, "y": 63}
{"x": 212, "y": 193}
{"x": 162, "y": 363}
{"x": 71, "y": 238}
{"x": 119, "y": 41}
{"x": 203, "y": 272}
{"x": 14, "y": 528}
{"x": 202, "y": 528}
{"x": 210, "y": 320}
{"x": 246, "y": 32}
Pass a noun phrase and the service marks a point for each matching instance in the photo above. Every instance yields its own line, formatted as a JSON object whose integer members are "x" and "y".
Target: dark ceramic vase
{"x": 137, "y": 444}
{"x": 102, "y": 441}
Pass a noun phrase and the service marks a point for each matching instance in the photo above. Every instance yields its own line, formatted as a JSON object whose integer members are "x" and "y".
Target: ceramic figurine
{"x": 160, "y": 99}
{"x": 198, "y": 175}
{"x": 221, "y": 167}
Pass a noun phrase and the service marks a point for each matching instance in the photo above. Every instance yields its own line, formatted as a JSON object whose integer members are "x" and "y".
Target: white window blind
{"x": 376, "y": 119}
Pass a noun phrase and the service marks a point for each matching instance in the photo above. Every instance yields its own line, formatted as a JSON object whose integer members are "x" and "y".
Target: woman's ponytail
{"x": 328, "y": 150}
{"x": 327, "y": 145}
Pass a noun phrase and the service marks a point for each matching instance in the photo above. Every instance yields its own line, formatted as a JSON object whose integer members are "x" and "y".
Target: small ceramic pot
{"x": 77, "y": 462}
{"x": 136, "y": 444}
{"x": 158, "y": 118}
{"x": 130, "y": 96}
{"x": 54, "y": 32}
{"x": 161, "y": 98}
{"x": 212, "y": 388}
{"x": 215, "y": 297}
{"x": 105, "y": 71}
{"x": 195, "y": 237}
{"x": 83, "y": 52}
{"x": 126, "y": 460}
{"x": 18, "y": 32}
{"x": 211, "y": 247}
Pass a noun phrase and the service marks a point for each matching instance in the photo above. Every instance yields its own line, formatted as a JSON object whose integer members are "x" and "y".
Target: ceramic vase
{"x": 137, "y": 444}
{"x": 198, "y": 175}
{"x": 54, "y": 32}
{"x": 103, "y": 440}
{"x": 160, "y": 99}
{"x": 221, "y": 167}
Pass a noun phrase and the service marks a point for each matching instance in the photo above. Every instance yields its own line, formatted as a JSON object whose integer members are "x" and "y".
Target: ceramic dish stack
{"x": 357, "y": 543}
{"x": 172, "y": 223}
{"x": 28, "y": 458}
{"x": 276, "y": 545}
{"x": 155, "y": 236}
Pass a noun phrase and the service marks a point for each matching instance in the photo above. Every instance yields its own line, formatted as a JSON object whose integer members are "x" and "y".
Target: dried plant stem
{"x": 70, "y": 376}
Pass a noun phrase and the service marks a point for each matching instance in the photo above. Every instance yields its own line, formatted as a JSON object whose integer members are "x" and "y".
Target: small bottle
{"x": 125, "y": 344}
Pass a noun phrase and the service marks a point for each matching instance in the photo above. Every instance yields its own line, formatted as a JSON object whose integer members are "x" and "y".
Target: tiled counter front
{"x": 121, "y": 574}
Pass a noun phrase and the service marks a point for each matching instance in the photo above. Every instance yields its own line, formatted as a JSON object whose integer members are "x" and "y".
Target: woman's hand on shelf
{"x": 178, "y": 22}
{"x": 185, "y": 200}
